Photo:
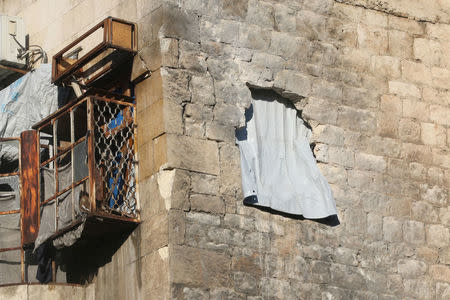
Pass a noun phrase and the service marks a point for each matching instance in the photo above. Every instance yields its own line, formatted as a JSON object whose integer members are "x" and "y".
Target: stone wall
{"x": 372, "y": 79}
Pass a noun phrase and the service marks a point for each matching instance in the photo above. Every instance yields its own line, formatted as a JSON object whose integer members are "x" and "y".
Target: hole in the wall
{"x": 277, "y": 135}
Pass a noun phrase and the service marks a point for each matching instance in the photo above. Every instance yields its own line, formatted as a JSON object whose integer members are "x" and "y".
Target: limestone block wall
{"x": 370, "y": 77}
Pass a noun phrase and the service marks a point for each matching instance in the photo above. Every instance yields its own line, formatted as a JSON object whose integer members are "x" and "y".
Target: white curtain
{"x": 278, "y": 167}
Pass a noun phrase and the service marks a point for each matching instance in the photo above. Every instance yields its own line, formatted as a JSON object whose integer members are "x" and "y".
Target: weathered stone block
{"x": 203, "y": 218}
{"x": 374, "y": 226}
{"x": 155, "y": 274}
{"x": 230, "y": 169}
{"x": 385, "y": 66}
{"x": 220, "y": 133}
{"x": 207, "y": 203}
{"x": 428, "y": 51}
{"x": 437, "y": 235}
{"x": 311, "y": 25}
{"x": 387, "y": 124}
{"x": 407, "y": 25}
{"x": 154, "y": 233}
{"x": 391, "y": 104}
{"x": 169, "y": 52}
{"x": 403, "y": 89}
{"x": 424, "y": 211}
{"x": 145, "y": 160}
{"x": 314, "y": 111}
{"x": 341, "y": 156}
{"x": 192, "y": 154}
{"x": 291, "y": 82}
{"x": 202, "y": 88}
{"x": 439, "y": 114}
{"x": 200, "y": 267}
{"x": 149, "y": 91}
{"x": 175, "y": 84}
{"x": 432, "y": 134}
{"x": 284, "y": 17}
{"x": 260, "y": 13}
{"x": 414, "y": 232}
{"x": 369, "y": 162}
{"x": 419, "y": 288}
{"x": 409, "y": 130}
{"x": 441, "y": 77}
{"x": 254, "y": 37}
{"x": 177, "y": 226}
{"x": 392, "y": 229}
{"x": 410, "y": 268}
{"x": 416, "y": 72}
{"x": 191, "y": 58}
{"x": 440, "y": 272}
{"x": 400, "y": 44}
{"x": 160, "y": 151}
{"x": 179, "y": 23}
{"x": 234, "y": 9}
{"x": 204, "y": 183}
{"x": 372, "y": 39}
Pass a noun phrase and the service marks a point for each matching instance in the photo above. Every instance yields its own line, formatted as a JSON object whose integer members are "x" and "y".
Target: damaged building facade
{"x": 370, "y": 81}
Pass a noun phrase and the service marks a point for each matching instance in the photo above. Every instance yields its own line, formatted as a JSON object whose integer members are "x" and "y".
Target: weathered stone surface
{"x": 437, "y": 235}
{"x": 392, "y": 229}
{"x": 411, "y": 268}
{"x": 207, "y": 203}
{"x": 193, "y": 154}
{"x": 371, "y": 78}
{"x": 414, "y": 232}
{"x": 200, "y": 267}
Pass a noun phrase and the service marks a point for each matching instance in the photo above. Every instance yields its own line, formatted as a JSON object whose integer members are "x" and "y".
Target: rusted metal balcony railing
{"x": 101, "y": 49}
{"x": 11, "y": 241}
{"x": 87, "y": 162}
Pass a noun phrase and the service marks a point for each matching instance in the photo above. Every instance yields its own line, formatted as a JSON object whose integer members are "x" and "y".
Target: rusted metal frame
{"x": 10, "y": 249}
{"x": 82, "y": 61}
{"x": 104, "y": 94}
{"x": 9, "y": 174}
{"x": 14, "y": 69}
{"x": 47, "y": 147}
{"x": 63, "y": 110}
{"x": 58, "y": 56}
{"x": 107, "y": 31}
{"x": 124, "y": 49}
{"x": 101, "y": 98}
{"x": 64, "y": 190}
{"x": 116, "y": 217}
{"x": 67, "y": 149}
{"x": 22, "y": 254}
{"x": 10, "y": 212}
{"x": 134, "y": 30}
{"x": 72, "y": 158}
{"x": 82, "y": 37}
{"x": 91, "y": 152}
{"x": 55, "y": 167}
{"x": 8, "y": 139}
{"x": 101, "y": 73}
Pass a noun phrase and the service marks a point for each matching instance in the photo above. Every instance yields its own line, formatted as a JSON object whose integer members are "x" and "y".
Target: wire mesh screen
{"x": 115, "y": 166}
